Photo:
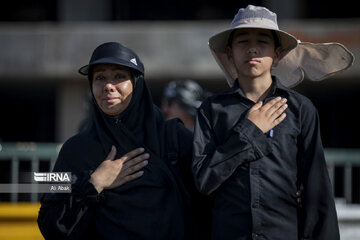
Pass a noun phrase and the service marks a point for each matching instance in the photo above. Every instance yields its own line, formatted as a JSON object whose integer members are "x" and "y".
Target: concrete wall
{"x": 40, "y": 52}
{"x": 50, "y": 50}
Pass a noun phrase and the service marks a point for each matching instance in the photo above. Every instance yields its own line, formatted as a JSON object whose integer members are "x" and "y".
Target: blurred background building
{"x": 43, "y": 43}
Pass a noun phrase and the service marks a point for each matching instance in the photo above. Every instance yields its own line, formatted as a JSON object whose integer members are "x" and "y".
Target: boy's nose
{"x": 252, "y": 50}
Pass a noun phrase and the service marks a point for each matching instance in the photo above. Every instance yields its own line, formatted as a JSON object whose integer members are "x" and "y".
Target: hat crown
{"x": 255, "y": 14}
{"x": 105, "y": 50}
{"x": 118, "y": 54}
{"x": 113, "y": 50}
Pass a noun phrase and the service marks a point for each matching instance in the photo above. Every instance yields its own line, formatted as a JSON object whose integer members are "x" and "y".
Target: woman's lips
{"x": 111, "y": 99}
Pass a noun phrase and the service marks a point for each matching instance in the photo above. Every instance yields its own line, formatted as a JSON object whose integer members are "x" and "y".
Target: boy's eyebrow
{"x": 265, "y": 35}
{"x": 241, "y": 34}
{"x": 246, "y": 33}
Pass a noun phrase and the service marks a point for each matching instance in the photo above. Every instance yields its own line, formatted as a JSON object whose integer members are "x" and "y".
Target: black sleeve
{"x": 213, "y": 164}
{"x": 318, "y": 212}
{"x": 69, "y": 215}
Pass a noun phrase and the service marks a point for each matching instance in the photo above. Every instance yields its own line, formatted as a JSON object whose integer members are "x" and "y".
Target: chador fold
{"x": 151, "y": 201}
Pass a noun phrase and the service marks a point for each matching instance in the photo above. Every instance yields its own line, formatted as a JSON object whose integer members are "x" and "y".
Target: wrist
{"x": 93, "y": 181}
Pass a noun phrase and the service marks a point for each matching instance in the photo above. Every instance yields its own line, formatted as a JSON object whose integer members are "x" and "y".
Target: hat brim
{"x": 317, "y": 61}
{"x": 219, "y": 41}
{"x": 85, "y": 69}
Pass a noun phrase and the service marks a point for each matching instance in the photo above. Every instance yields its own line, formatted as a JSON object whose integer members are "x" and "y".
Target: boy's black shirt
{"x": 254, "y": 177}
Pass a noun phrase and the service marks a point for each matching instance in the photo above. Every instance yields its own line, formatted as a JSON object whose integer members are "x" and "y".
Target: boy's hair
{"x": 275, "y": 36}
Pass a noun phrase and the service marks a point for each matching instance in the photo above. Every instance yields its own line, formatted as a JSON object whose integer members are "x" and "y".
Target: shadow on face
{"x": 112, "y": 86}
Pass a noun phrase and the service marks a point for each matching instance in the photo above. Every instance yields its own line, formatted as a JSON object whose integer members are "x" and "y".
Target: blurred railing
{"x": 24, "y": 158}
{"x": 343, "y": 166}
{"x": 344, "y": 172}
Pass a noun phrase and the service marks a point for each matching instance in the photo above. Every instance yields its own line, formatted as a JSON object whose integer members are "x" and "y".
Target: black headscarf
{"x": 140, "y": 122}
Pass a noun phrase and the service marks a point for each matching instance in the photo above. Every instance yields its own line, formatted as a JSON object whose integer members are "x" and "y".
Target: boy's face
{"x": 253, "y": 52}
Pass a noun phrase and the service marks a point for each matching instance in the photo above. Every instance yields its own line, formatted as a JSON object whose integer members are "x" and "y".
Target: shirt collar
{"x": 276, "y": 85}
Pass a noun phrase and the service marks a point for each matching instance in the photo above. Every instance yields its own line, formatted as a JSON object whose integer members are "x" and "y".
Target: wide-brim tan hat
{"x": 253, "y": 17}
{"x": 317, "y": 61}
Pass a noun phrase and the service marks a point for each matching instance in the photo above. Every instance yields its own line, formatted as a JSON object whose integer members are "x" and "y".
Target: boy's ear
{"x": 229, "y": 53}
{"x": 277, "y": 56}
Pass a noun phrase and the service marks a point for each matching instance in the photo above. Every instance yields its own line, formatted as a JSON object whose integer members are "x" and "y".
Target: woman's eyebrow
{"x": 119, "y": 68}
{"x": 112, "y": 69}
{"x": 99, "y": 70}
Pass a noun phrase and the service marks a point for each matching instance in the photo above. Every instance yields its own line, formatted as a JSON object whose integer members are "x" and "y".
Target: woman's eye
{"x": 120, "y": 76}
{"x": 99, "y": 77}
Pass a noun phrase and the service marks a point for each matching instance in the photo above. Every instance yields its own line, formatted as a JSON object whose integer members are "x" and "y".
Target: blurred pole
{"x": 70, "y": 100}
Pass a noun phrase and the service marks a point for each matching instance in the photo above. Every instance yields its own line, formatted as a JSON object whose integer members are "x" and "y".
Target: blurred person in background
{"x": 123, "y": 185}
{"x": 181, "y": 99}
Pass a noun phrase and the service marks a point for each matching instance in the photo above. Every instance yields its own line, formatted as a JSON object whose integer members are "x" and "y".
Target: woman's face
{"x": 112, "y": 87}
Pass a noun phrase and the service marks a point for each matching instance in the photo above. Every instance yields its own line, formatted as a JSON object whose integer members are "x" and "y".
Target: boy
{"x": 254, "y": 169}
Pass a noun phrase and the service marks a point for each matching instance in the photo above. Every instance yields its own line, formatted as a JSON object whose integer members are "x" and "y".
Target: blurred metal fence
{"x": 344, "y": 172}
{"x": 34, "y": 156}
{"x": 343, "y": 166}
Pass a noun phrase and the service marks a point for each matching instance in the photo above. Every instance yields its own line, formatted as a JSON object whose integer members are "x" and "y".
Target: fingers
{"x": 130, "y": 177}
{"x": 131, "y": 155}
{"x": 271, "y": 103}
{"x": 135, "y": 164}
{"x": 131, "y": 168}
{"x": 132, "y": 162}
{"x": 278, "y": 109}
{"x": 112, "y": 153}
{"x": 279, "y": 119}
{"x": 274, "y": 108}
{"x": 256, "y": 106}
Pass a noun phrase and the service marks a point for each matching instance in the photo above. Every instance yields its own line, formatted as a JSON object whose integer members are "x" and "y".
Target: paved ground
{"x": 350, "y": 232}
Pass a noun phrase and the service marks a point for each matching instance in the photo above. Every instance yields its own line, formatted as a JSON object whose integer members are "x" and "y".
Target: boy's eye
{"x": 264, "y": 41}
{"x": 242, "y": 41}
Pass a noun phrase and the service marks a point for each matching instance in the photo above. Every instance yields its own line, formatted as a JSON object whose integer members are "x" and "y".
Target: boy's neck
{"x": 255, "y": 89}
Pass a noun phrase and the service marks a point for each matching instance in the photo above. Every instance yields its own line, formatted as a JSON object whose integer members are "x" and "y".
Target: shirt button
{"x": 255, "y": 236}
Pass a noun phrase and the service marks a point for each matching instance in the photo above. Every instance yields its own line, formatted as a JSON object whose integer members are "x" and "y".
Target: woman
{"x": 125, "y": 188}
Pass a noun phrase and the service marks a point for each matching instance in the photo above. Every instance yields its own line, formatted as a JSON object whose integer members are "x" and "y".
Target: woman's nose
{"x": 109, "y": 87}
